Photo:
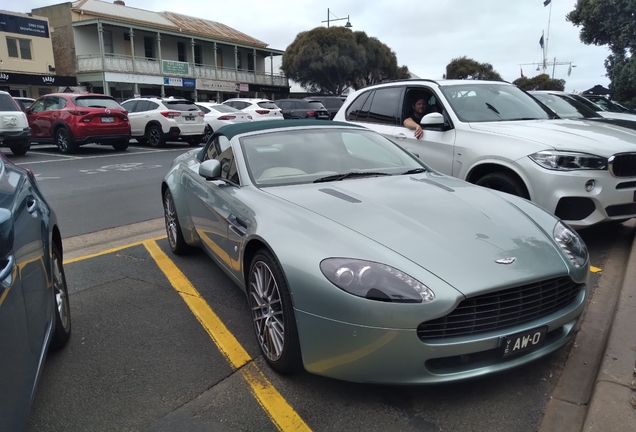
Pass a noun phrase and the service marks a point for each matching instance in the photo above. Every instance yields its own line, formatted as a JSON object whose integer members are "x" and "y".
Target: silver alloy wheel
{"x": 61, "y": 294}
{"x": 207, "y": 134}
{"x": 154, "y": 136}
{"x": 267, "y": 311}
{"x": 171, "y": 220}
{"x": 62, "y": 139}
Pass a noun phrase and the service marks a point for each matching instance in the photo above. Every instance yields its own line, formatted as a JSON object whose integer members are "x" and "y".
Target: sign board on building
{"x": 132, "y": 78}
{"x": 37, "y": 80}
{"x": 189, "y": 82}
{"x": 214, "y": 85}
{"x": 242, "y": 87}
{"x": 23, "y": 25}
{"x": 174, "y": 82}
{"x": 268, "y": 89}
{"x": 175, "y": 67}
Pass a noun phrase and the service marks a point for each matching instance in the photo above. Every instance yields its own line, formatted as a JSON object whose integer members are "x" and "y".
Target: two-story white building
{"x": 27, "y": 66}
{"x": 123, "y": 51}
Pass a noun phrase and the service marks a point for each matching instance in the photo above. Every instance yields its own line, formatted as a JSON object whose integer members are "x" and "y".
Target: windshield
{"x": 605, "y": 104}
{"x": 480, "y": 102}
{"x": 181, "y": 105}
{"x": 316, "y": 105}
{"x": 584, "y": 101}
{"x": 223, "y": 108}
{"x": 564, "y": 106}
{"x": 305, "y": 155}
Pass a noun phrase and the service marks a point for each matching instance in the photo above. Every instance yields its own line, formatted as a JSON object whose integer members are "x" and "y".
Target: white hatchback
{"x": 259, "y": 109}
{"x": 495, "y": 135}
{"x": 219, "y": 115}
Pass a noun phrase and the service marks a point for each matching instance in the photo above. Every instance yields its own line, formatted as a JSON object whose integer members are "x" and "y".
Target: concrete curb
{"x": 88, "y": 244}
{"x": 567, "y": 408}
{"x": 613, "y": 404}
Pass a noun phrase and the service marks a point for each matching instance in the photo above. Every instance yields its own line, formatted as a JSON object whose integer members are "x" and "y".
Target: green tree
{"x": 330, "y": 60}
{"x": 611, "y": 23}
{"x": 467, "y": 68}
{"x": 539, "y": 82}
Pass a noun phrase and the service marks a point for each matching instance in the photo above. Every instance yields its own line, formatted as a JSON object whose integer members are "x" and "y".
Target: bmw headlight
{"x": 571, "y": 244}
{"x": 568, "y": 161}
{"x": 375, "y": 281}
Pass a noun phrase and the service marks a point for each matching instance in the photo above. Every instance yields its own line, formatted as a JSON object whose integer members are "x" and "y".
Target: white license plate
{"x": 108, "y": 119}
{"x": 523, "y": 342}
{"x": 189, "y": 118}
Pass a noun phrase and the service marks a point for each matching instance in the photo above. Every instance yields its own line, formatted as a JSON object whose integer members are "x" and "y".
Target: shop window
{"x": 238, "y": 60}
{"x": 250, "y": 63}
{"x": 19, "y": 48}
{"x": 219, "y": 57}
{"x": 181, "y": 52}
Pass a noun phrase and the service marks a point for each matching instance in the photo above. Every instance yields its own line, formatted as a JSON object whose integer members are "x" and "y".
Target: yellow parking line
{"x": 595, "y": 269}
{"x": 115, "y": 249}
{"x": 276, "y": 407}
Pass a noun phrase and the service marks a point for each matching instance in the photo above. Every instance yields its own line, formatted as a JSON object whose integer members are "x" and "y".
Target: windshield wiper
{"x": 353, "y": 174}
{"x": 522, "y": 118}
{"x": 492, "y": 108}
{"x": 414, "y": 171}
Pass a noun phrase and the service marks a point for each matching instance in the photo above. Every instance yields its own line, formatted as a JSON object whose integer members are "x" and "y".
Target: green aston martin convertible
{"x": 361, "y": 263}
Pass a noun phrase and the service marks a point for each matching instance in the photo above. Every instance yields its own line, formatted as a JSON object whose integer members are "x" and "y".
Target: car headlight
{"x": 571, "y": 244}
{"x": 568, "y": 161}
{"x": 375, "y": 281}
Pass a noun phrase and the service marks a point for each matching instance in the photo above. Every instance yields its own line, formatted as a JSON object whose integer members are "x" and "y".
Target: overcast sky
{"x": 425, "y": 34}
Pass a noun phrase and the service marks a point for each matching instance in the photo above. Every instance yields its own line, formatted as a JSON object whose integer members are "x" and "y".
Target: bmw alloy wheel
{"x": 267, "y": 311}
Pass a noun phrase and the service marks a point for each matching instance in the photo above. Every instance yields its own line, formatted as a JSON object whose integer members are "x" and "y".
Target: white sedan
{"x": 218, "y": 115}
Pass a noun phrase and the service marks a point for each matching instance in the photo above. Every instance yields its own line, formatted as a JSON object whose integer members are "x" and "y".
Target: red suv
{"x": 70, "y": 120}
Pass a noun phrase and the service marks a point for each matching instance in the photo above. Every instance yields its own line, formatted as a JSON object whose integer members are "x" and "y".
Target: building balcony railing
{"x": 142, "y": 65}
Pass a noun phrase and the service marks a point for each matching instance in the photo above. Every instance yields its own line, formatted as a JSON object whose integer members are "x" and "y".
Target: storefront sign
{"x": 116, "y": 77}
{"x": 189, "y": 82}
{"x": 213, "y": 85}
{"x": 175, "y": 67}
{"x": 23, "y": 25}
{"x": 37, "y": 80}
{"x": 242, "y": 87}
{"x": 268, "y": 89}
{"x": 174, "y": 82}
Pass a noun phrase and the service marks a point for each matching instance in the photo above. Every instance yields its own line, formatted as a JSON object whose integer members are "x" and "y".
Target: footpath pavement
{"x": 597, "y": 387}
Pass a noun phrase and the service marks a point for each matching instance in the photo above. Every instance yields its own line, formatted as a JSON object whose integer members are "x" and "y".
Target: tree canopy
{"x": 612, "y": 24}
{"x": 467, "y": 68}
{"x": 330, "y": 60}
{"x": 539, "y": 82}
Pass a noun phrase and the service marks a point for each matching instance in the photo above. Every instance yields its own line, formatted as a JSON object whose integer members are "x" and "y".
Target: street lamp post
{"x": 329, "y": 19}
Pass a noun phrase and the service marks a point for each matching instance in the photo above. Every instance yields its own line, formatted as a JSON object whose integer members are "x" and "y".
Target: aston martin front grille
{"x": 623, "y": 165}
{"x": 502, "y": 309}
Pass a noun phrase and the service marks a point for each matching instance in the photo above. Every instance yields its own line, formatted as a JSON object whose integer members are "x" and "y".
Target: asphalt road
{"x": 139, "y": 359}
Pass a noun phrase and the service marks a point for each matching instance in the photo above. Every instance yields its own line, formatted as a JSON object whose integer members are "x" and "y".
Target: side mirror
{"x": 433, "y": 119}
{"x": 210, "y": 169}
{"x": 27, "y": 111}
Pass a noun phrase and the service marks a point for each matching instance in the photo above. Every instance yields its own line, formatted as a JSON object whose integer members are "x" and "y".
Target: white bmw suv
{"x": 493, "y": 134}
{"x": 15, "y": 132}
{"x": 155, "y": 120}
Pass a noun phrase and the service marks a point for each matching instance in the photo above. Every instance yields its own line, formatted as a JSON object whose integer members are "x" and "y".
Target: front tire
{"x": 154, "y": 136}
{"x": 177, "y": 243}
{"x": 64, "y": 141}
{"x": 273, "y": 314}
{"x": 504, "y": 183}
{"x": 62, "y": 312}
{"x": 207, "y": 133}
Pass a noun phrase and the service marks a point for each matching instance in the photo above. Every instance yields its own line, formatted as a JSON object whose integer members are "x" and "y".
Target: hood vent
{"x": 340, "y": 195}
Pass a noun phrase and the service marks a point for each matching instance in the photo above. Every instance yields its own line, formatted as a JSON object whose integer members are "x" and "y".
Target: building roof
{"x": 167, "y": 20}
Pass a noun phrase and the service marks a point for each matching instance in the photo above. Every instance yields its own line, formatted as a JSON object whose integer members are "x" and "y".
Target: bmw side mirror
{"x": 433, "y": 119}
{"x": 210, "y": 169}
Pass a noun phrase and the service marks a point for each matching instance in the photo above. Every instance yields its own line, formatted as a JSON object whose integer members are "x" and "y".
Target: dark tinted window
{"x": 223, "y": 108}
{"x": 142, "y": 105}
{"x": 355, "y": 108}
{"x": 333, "y": 102}
{"x": 385, "y": 105}
{"x": 54, "y": 103}
{"x": 7, "y": 103}
{"x": 283, "y": 104}
{"x": 316, "y": 105}
{"x": 204, "y": 109}
{"x": 267, "y": 105}
{"x": 129, "y": 106}
{"x": 38, "y": 105}
{"x": 181, "y": 105}
{"x": 96, "y": 102}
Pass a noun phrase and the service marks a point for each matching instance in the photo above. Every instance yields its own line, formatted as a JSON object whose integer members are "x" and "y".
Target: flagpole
{"x": 547, "y": 38}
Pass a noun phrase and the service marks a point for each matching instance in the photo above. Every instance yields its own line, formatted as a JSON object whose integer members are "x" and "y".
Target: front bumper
{"x": 563, "y": 193}
{"x": 397, "y": 356}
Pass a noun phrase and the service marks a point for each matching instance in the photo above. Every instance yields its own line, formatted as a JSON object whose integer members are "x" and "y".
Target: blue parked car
{"x": 34, "y": 303}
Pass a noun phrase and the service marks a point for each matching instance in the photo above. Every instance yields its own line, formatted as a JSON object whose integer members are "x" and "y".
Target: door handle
{"x": 399, "y": 136}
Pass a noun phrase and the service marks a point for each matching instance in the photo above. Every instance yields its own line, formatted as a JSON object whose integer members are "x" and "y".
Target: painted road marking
{"x": 71, "y": 158}
{"x": 115, "y": 249}
{"x": 595, "y": 269}
{"x": 279, "y": 411}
